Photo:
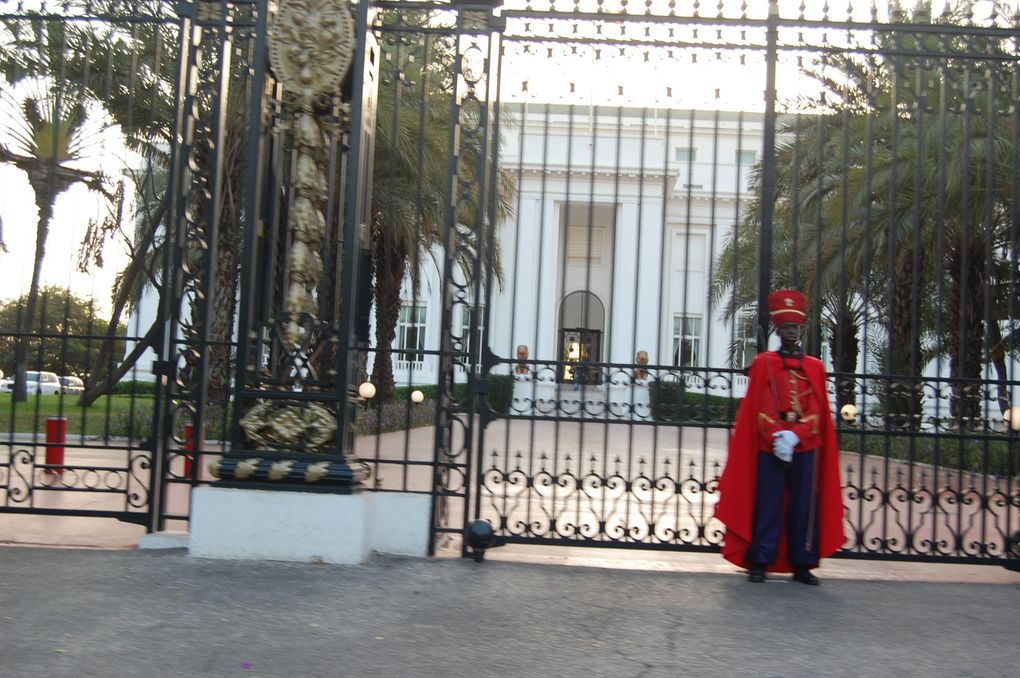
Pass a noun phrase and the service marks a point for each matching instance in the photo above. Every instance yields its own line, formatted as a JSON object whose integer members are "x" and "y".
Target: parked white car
{"x": 71, "y": 385}
{"x": 45, "y": 383}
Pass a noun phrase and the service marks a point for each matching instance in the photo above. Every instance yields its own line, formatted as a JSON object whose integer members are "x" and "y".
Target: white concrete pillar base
{"x": 251, "y": 524}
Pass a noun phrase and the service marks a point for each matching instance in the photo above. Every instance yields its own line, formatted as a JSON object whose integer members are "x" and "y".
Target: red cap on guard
{"x": 787, "y": 306}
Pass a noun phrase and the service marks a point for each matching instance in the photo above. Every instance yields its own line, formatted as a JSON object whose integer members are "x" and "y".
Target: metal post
{"x": 478, "y": 28}
{"x": 356, "y": 302}
{"x": 56, "y": 435}
{"x": 768, "y": 181}
{"x": 189, "y": 446}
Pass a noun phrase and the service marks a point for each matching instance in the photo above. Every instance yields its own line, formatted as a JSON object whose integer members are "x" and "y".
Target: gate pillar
{"x": 300, "y": 334}
{"x": 292, "y": 396}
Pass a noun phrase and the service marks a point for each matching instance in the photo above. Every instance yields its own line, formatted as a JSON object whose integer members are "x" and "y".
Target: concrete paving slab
{"x": 713, "y": 563}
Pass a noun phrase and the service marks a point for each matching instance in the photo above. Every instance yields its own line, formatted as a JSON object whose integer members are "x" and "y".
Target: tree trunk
{"x": 904, "y": 394}
{"x": 98, "y": 388}
{"x": 965, "y": 340}
{"x": 390, "y": 260}
{"x": 44, "y": 197}
{"x": 997, "y": 357}
{"x": 844, "y": 345}
{"x": 221, "y": 326}
{"x": 98, "y": 382}
{"x": 223, "y": 273}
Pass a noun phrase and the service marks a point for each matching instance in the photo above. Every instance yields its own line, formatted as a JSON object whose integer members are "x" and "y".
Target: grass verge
{"x": 117, "y": 415}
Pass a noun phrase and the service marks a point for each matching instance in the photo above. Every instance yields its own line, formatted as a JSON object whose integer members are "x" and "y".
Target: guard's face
{"x": 789, "y": 334}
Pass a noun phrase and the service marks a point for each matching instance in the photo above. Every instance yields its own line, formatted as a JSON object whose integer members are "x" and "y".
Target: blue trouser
{"x": 774, "y": 478}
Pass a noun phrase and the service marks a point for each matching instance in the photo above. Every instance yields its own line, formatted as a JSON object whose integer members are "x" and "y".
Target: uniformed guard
{"x": 780, "y": 493}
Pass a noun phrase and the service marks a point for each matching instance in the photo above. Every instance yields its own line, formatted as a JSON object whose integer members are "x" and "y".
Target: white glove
{"x": 784, "y": 444}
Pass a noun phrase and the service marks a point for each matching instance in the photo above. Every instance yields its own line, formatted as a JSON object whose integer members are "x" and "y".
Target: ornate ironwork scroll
{"x": 197, "y": 299}
{"x": 469, "y": 240}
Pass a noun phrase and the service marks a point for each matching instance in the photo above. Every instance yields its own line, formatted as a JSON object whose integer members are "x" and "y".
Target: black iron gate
{"x": 244, "y": 214}
{"x": 675, "y": 166}
{"x": 639, "y": 176}
{"x": 92, "y": 89}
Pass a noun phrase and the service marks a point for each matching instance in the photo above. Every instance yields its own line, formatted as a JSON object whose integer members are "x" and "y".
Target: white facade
{"x": 629, "y": 206}
{"x": 619, "y": 217}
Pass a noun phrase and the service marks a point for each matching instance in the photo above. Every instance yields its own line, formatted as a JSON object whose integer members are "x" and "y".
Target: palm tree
{"x": 46, "y": 141}
{"x": 935, "y": 220}
{"x": 840, "y": 305}
{"x": 131, "y": 91}
{"x": 140, "y": 69}
{"x": 894, "y": 221}
{"x": 841, "y": 180}
{"x": 411, "y": 183}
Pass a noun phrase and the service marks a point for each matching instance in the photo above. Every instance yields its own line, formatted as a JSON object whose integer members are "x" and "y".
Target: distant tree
{"x": 894, "y": 203}
{"x": 66, "y": 337}
{"x": 50, "y": 133}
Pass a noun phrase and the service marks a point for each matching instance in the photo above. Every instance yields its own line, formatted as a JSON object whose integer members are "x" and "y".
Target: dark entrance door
{"x": 579, "y": 348}
{"x": 582, "y": 324}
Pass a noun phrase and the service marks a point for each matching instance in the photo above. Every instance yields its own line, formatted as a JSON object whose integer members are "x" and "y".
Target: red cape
{"x": 737, "y": 483}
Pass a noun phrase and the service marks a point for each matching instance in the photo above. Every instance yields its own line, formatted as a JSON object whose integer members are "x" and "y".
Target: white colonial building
{"x": 619, "y": 216}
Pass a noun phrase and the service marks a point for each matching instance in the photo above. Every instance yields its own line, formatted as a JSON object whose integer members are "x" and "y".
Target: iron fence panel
{"x": 543, "y": 233}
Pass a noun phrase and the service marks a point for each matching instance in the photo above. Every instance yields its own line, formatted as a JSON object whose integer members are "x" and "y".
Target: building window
{"x": 686, "y": 340}
{"x": 684, "y": 154}
{"x": 746, "y": 157}
{"x": 585, "y": 244}
{"x": 688, "y": 251}
{"x": 745, "y": 343}
{"x": 472, "y": 332}
{"x": 411, "y": 334}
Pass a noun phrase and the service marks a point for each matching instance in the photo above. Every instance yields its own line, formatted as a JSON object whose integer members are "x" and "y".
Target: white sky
{"x": 71, "y": 217}
{"x": 73, "y": 210}
{"x": 590, "y": 62}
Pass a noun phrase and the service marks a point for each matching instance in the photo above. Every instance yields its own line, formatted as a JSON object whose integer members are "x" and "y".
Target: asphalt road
{"x": 76, "y": 612}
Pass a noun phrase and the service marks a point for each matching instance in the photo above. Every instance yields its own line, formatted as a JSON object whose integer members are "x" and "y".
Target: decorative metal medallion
{"x": 273, "y": 425}
{"x": 311, "y": 47}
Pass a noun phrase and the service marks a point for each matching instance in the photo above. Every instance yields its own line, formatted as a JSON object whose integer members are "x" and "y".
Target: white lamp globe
{"x": 366, "y": 390}
{"x": 1012, "y": 417}
{"x": 848, "y": 412}
{"x": 417, "y": 396}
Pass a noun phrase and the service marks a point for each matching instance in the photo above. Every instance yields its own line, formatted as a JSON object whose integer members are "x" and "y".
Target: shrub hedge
{"x": 134, "y": 388}
{"x": 970, "y": 455}
{"x": 672, "y": 402}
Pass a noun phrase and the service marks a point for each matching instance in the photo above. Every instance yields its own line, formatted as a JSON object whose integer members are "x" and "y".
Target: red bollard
{"x": 56, "y": 435}
{"x": 189, "y": 445}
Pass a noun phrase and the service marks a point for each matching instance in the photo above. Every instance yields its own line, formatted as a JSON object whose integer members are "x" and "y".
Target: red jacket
{"x": 737, "y": 483}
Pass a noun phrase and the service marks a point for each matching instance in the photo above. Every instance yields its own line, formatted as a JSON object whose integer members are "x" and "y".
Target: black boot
{"x": 804, "y": 576}
{"x": 756, "y": 574}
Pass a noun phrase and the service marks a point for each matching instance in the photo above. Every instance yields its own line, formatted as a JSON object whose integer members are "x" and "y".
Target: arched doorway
{"x": 582, "y": 324}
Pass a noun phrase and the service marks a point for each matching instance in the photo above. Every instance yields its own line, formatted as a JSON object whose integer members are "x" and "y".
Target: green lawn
{"x": 120, "y": 416}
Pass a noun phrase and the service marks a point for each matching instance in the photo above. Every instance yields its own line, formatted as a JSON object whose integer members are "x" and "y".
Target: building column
{"x": 548, "y": 280}
{"x": 626, "y": 267}
{"x": 652, "y": 283}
